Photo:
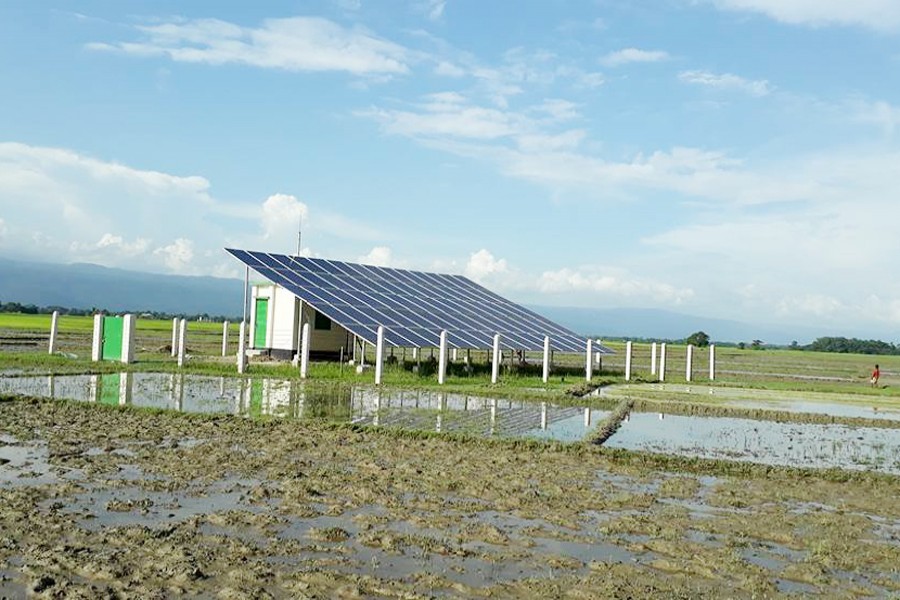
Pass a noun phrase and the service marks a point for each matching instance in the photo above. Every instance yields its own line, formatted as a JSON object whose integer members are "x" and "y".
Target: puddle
{"x": 768, "y": 442}
{"x": 26, "y": 464}
{"x": 416, "y": 409}
{"x": 823, "y": 403}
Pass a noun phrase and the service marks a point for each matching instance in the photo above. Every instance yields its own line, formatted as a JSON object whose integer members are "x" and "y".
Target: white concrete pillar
{"x": 653, "y": 358}
{"x": 588, "y": 365}
{"x": 712, "y": 362}
{"x": 128, "y": 331}
{"x": 662, "y": 362}
{"x": 242, "y": 347}
{"x": 415, "y": 354}
{"x": 545, "y": 376}
{"x": 304, "y": 352}
{"x": 125, "y": 387}
{"x": 587, "y": 418}
{"x": 628, "y": 360}
{"x": 689, "y": 367}
{"x": 495, "y": 360}
{"x": 442, "y": 359}
{"x": 543, "y": 415}
{"x": 225, "y": 338}
{"x": 493, "y": 415}
{"x": 182, "y": 339}
{"x": 54, "y": 329}
{"x": 454, "y": 354}
{"x": 174, "y": 337}
{"x": 379, "y": 355}
{"x": 97, "y": 341}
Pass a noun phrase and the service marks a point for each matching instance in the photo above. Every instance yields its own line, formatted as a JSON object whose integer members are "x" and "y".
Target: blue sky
{"x": 729, "y": 158}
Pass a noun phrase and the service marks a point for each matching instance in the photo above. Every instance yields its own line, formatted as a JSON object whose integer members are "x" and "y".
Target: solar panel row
{"x": 413, "y": 306}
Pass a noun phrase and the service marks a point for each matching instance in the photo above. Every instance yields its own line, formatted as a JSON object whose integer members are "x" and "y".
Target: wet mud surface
{"x": 108, "y": 501}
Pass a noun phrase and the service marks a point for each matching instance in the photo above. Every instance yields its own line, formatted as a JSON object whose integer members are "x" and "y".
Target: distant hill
{"x": 664, "y": 324}
{"x": 86, "y": 285}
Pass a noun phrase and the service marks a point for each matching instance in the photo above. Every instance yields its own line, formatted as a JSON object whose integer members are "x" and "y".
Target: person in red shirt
{"x": 875, "y": 375}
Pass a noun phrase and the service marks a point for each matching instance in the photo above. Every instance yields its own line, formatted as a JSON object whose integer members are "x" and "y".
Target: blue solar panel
{"x": 413, "y": 306}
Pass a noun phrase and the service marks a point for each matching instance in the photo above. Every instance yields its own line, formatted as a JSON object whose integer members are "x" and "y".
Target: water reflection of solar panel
{"x": 412, "y": 306}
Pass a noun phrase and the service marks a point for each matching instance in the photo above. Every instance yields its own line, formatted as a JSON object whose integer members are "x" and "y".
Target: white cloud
{"x": 282, "y": 215}
{"x": 178, "y": 256}
{"x": 482, "y": 265}
{"x": 817, "y": 305}
{"x": 432, "y": 9}
{"x": 292, "y": 44}
{"x": 882, "y": 15}
{"x": 727, "y": 81}
{"x": 880, "y": 114}
{"x": 633, "y": 55}
{"x": 60, "y": 206}
{"x": 610, "y": 283}
{"x": 379, "y": 256}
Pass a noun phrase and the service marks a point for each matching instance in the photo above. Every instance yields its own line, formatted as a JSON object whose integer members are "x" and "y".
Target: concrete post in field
{"x": 653, "y": 358}
{"x": 174, "y": 337}
{"x": 415, "y": 353}
{"x": 379, "y": 355}
{"x": 125, "y": 387}
{"x": 495, "y": 359}
{"x": 545, "y": 377}
{"x": 588, "y": 365}
{"x": 712, "y": 362}
{"x": 182, "y": 338}
{"x": 442, "y": 359}
{"x": 54, "y": 329}
{"x": 128, "y": 327}
{"x": 304, "y": 352}
{"x": 587, "y": 418}
{"x": 97, "y": 340}
{"x": 242, "y": 347}
{"x": 628, "y": 360}
{"x": 543, "y": 415}
{"x": 454, "y": 354}
{"x": 662, "y": 362}
{"x": 225, "y": 338}
{"x": 689, "y": 367}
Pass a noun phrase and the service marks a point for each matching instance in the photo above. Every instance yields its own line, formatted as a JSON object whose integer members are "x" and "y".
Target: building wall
{"x": 282, "y": 322}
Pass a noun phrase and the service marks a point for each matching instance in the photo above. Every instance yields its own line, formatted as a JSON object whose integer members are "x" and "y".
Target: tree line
{"x": 31, "y": 309}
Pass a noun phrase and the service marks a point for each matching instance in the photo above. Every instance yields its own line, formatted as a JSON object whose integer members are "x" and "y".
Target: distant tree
{"x": 741, "y": 345}
{"x": 699, "y": 339}
{"x": 757, "y": 344}
{"x": 794, "y": 345}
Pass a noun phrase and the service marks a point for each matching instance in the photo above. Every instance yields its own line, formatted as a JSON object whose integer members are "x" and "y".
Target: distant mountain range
{"x": 82, "y": 285}
{"x": 86, "y": 285}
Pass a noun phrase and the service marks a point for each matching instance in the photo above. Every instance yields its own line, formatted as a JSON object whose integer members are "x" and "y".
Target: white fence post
{"x": 54, "y": 328}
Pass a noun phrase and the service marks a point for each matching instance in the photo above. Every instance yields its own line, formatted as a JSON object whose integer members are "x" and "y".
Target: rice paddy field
{"x": 779, "y": 479}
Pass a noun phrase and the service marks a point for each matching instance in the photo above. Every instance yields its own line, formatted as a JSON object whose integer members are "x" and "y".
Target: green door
{"x": 262, "y": 316}
{"x": 112, "y": 338}
{"x": 109, "y": 388}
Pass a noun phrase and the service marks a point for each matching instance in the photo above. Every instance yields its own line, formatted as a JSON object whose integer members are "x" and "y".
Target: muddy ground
{"x": 100, "y": 501}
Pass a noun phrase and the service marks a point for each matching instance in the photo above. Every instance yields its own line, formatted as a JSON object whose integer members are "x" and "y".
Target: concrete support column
{"x": 587, "y": 418}
{"x": 128, "y": 327}
{"x": 689, "y": 367}
{"x": 545, "y": 377}
{"x": 543, "y": 415}
{"x": 588, "y": 365}
{"x": 54, "y": 329}
{"x": 225, "y": 338}
{"x": 712, "y": 362}
{"x": 495, "y": 361}
{"x": 628, "y": 360}
{"x": 662, "y": 362}
{"x": 242, "y": 347}
{"x": 454, "y": 354}
{"x": 379, "y": 355}
{"x": 415, "y": 354}
{"x": 97, "y": 340}
{"x": 442, "y": 359}
{"x": 125, "y": 387}
{"x": 182, "y": 339}
{"x": 304, "y": 352}
{"x": 653, "y": 358}
{"x": 174, "y": 337}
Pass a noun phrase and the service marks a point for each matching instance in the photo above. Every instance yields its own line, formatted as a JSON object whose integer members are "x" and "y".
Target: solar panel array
{"x": 412, "y": 306}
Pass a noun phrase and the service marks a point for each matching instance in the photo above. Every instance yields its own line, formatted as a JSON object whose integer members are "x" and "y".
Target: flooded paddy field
{"x": 101, "y": 500}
